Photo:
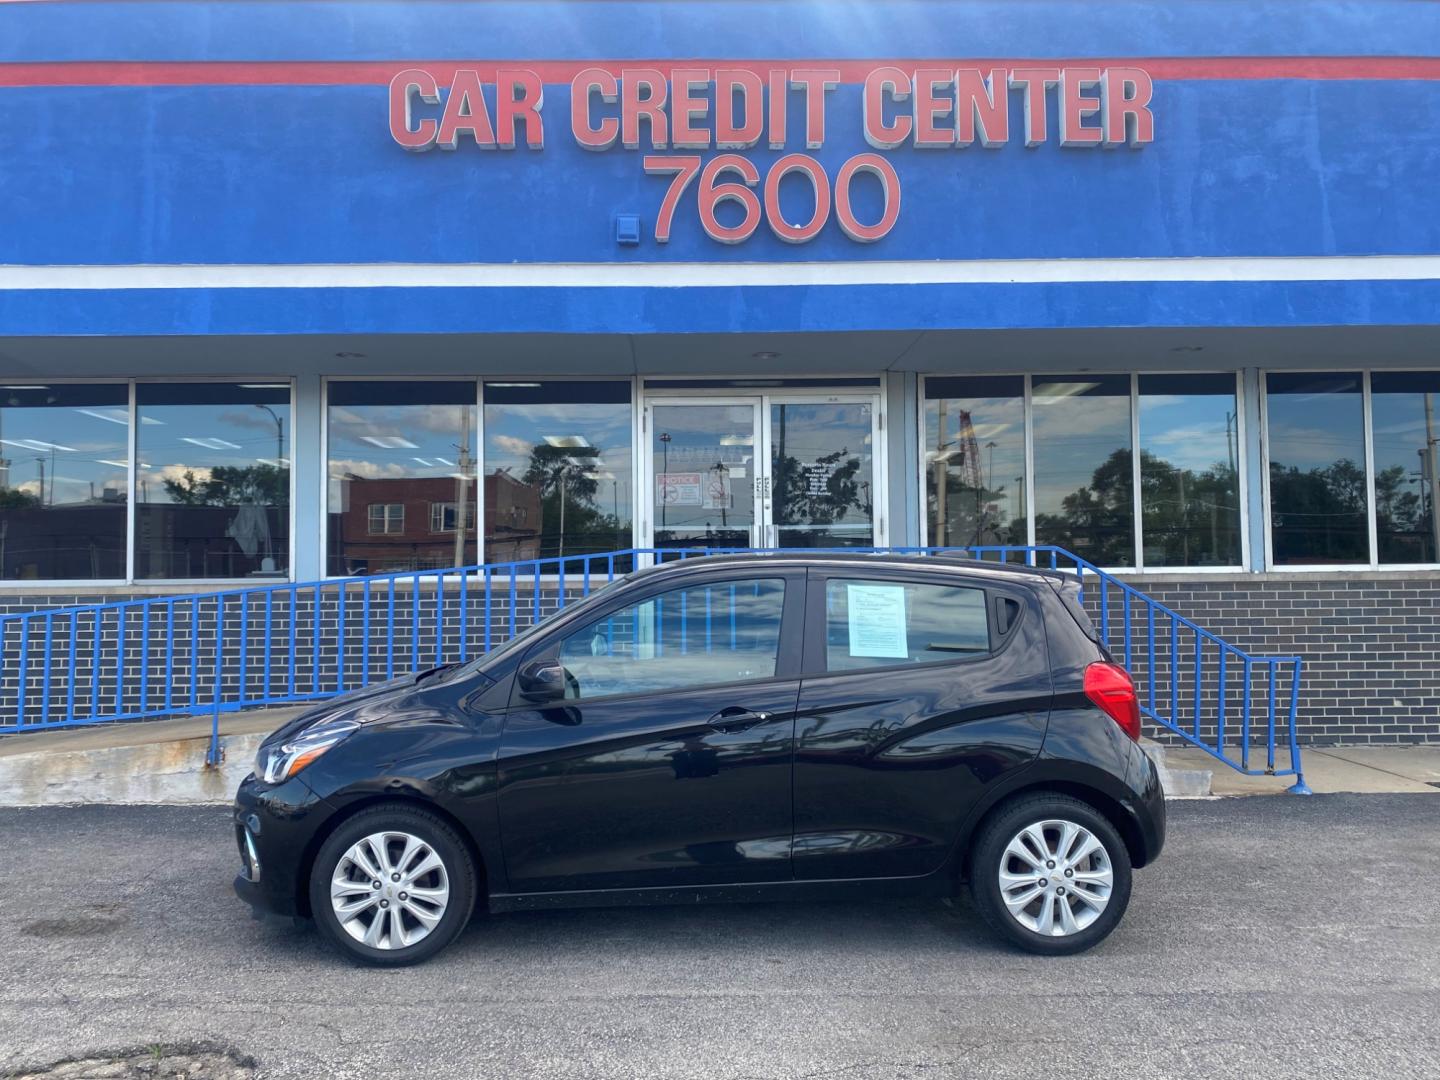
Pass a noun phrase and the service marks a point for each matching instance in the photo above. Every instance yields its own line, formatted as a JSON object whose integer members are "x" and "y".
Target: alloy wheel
{"x": 389, "y": 890}
{"x": 1055, "y": 878}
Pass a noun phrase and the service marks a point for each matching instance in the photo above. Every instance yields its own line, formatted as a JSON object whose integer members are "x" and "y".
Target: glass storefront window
{"x": 558, "y": 468}
{"x": 1189, "y": 470}
{"x": 63, "y": 503}
{"x": 974, "y": 447}
{"x": 212, "y": 480}
{"x": 396, "y": 449}
{"x": 1318, "y": 506}
{"x": 1084, "y": 487}
{"x": 1406, "y": 435}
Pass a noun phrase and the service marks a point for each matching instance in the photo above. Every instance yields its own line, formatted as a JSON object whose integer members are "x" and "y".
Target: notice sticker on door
{"x": 877, "y": 621}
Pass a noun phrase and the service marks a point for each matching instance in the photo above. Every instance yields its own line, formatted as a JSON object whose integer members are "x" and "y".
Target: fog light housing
{"x": 249, "y": 857}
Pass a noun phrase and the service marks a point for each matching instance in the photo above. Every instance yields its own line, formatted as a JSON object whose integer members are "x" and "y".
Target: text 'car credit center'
{"x": 320, "y": 288}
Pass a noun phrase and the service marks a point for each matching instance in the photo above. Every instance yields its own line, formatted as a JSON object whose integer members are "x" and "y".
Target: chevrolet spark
{"x": 749, "y": 727}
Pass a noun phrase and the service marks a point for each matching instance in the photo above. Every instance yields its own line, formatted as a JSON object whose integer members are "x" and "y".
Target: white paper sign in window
{"x": 877, "y": 621}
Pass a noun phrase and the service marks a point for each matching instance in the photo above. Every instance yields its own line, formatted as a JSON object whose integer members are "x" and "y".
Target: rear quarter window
{"x": 878, "y": 623}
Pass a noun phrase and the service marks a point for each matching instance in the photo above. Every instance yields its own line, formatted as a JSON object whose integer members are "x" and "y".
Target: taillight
{"x": 1110, "y": 688}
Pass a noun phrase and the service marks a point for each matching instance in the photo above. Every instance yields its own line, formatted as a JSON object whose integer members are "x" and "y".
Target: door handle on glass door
{"x": 734, "y": 718}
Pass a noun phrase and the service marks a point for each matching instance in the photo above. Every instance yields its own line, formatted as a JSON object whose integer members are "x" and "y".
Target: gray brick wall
{"x": 1370, "y": 644}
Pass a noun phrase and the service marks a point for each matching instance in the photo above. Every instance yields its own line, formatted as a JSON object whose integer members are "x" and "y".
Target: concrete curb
{"x": 1178, "y": 783}
{"x": 172, "y": 772}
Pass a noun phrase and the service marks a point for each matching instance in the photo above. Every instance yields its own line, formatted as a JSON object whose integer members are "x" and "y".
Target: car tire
{"x": 1063, "y": 914}
{"x": 416, "y": 874}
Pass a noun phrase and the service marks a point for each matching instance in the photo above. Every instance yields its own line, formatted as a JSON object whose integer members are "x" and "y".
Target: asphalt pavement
{"x": 1280, "y": 937}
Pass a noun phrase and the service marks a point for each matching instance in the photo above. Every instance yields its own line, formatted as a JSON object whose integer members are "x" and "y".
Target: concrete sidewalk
{"x": 1328, "y": 770}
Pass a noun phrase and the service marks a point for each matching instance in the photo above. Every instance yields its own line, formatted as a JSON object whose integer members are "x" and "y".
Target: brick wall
{"x": 1370, "y": 644}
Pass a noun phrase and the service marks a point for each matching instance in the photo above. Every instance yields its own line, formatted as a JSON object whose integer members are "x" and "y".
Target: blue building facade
{"x": 321, "y": 288}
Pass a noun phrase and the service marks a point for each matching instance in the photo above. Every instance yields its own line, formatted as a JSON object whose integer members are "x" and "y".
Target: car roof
{"x": 866, "y": 560}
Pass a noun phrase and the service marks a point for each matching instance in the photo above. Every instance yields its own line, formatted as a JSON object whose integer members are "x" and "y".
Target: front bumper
{"x": 274, "y": 830}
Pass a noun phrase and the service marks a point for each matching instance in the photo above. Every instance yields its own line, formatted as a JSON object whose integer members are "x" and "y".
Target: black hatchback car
{"x": 746, "y": 727}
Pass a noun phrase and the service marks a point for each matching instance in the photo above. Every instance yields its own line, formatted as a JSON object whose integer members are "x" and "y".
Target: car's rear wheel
{"x": 392, "y": 886}
{"x": 1051, "y": 874}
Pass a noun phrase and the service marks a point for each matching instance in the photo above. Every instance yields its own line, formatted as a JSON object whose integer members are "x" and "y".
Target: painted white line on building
{"x": 698, "y": 275}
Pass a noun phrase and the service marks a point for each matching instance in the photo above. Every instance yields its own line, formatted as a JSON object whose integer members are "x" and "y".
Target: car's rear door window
{"x": 877, "y": 623}
{"x": 703, "y": 635}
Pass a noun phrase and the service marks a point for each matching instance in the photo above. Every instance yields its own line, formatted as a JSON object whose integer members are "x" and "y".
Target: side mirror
{"x": 541, "y": 680}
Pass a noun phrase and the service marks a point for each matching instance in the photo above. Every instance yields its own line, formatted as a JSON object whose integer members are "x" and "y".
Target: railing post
{"x": 1299, "y": 787}
{"x": 212, "y": 755}
{"x": 1245, "y": 720}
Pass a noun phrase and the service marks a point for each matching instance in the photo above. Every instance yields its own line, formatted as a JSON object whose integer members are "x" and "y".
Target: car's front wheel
{"x": 1051, "y": 874}
{"x": 392, "y": 886}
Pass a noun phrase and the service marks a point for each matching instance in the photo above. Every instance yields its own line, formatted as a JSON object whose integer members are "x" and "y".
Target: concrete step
{"x": 1178, "y": 783}
{"x": 157, "y": 761}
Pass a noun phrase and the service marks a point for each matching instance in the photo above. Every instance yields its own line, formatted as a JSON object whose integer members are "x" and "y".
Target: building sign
{"x": 737, "y": 107}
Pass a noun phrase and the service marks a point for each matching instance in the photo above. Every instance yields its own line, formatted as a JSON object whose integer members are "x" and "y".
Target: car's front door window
{"x": 702, "y": 635}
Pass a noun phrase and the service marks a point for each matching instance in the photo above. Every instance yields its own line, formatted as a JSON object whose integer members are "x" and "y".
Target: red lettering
{"x": 927, "y": 108}
{"x": 519, "y": 96}
{"x": 650, "y": 105}
{"x": 731, "y": 134}
{"x": 404, "y": 89}
{"x": 878, "y": 167}
{"x": 588, "y": 82}
{"x": 984, "y": 104}
{"x": 686, "y": 108}
{"x": 880, "y": 83}
{"x": 1036, "y": 82}
{"x": 465, "y": 113}
{"x": 1075, "y": 107}
{"x": 819, "y": 184}
{"x": 816, "y": 85}
{"x": 779, "y": 98}
{"x": 1125, "y": 106}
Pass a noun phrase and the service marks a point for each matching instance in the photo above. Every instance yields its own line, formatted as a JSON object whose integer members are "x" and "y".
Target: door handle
{"x": 735, "y": 718}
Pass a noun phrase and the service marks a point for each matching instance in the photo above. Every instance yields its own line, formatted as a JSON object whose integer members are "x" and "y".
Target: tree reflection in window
{"x": 1406, "y": 434}
{"x": 1189, "y": 470}
{"x": 1084, "y": 485}
{"x": 975, "y": 460}
{"x": 557, "y": 469}
{"x": 1318, "y": 503}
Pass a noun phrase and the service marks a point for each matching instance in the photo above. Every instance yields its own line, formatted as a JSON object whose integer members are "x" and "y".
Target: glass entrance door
{"x": 704, "y": 490}
{"x": 763, "y": 471}
{"x": 822, "y": 473}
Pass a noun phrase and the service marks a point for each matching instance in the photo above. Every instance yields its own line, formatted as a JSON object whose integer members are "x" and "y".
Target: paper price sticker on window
{"x": 877, "y": 621}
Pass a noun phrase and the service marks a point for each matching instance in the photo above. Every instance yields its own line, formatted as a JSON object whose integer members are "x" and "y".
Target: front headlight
{"x": 280, "y": 762}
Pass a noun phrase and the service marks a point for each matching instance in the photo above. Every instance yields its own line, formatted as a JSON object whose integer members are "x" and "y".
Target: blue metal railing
{"x": 281, "y": 644}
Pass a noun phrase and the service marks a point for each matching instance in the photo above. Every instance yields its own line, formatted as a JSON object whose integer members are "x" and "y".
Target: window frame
{"x": 289, "y": 575}
{"x": 323, "y": 466}
{"x": 636, "y": 455}
{"x": 384, "y": 508}
{"x": 1372, "y": 522}
{"x": 1028, "y": 378}
{"x": 548, "y": 578}
{"x": 83, "y": 584}
{"x": 788, "y": 657}
{"x": 132, "y": 487}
